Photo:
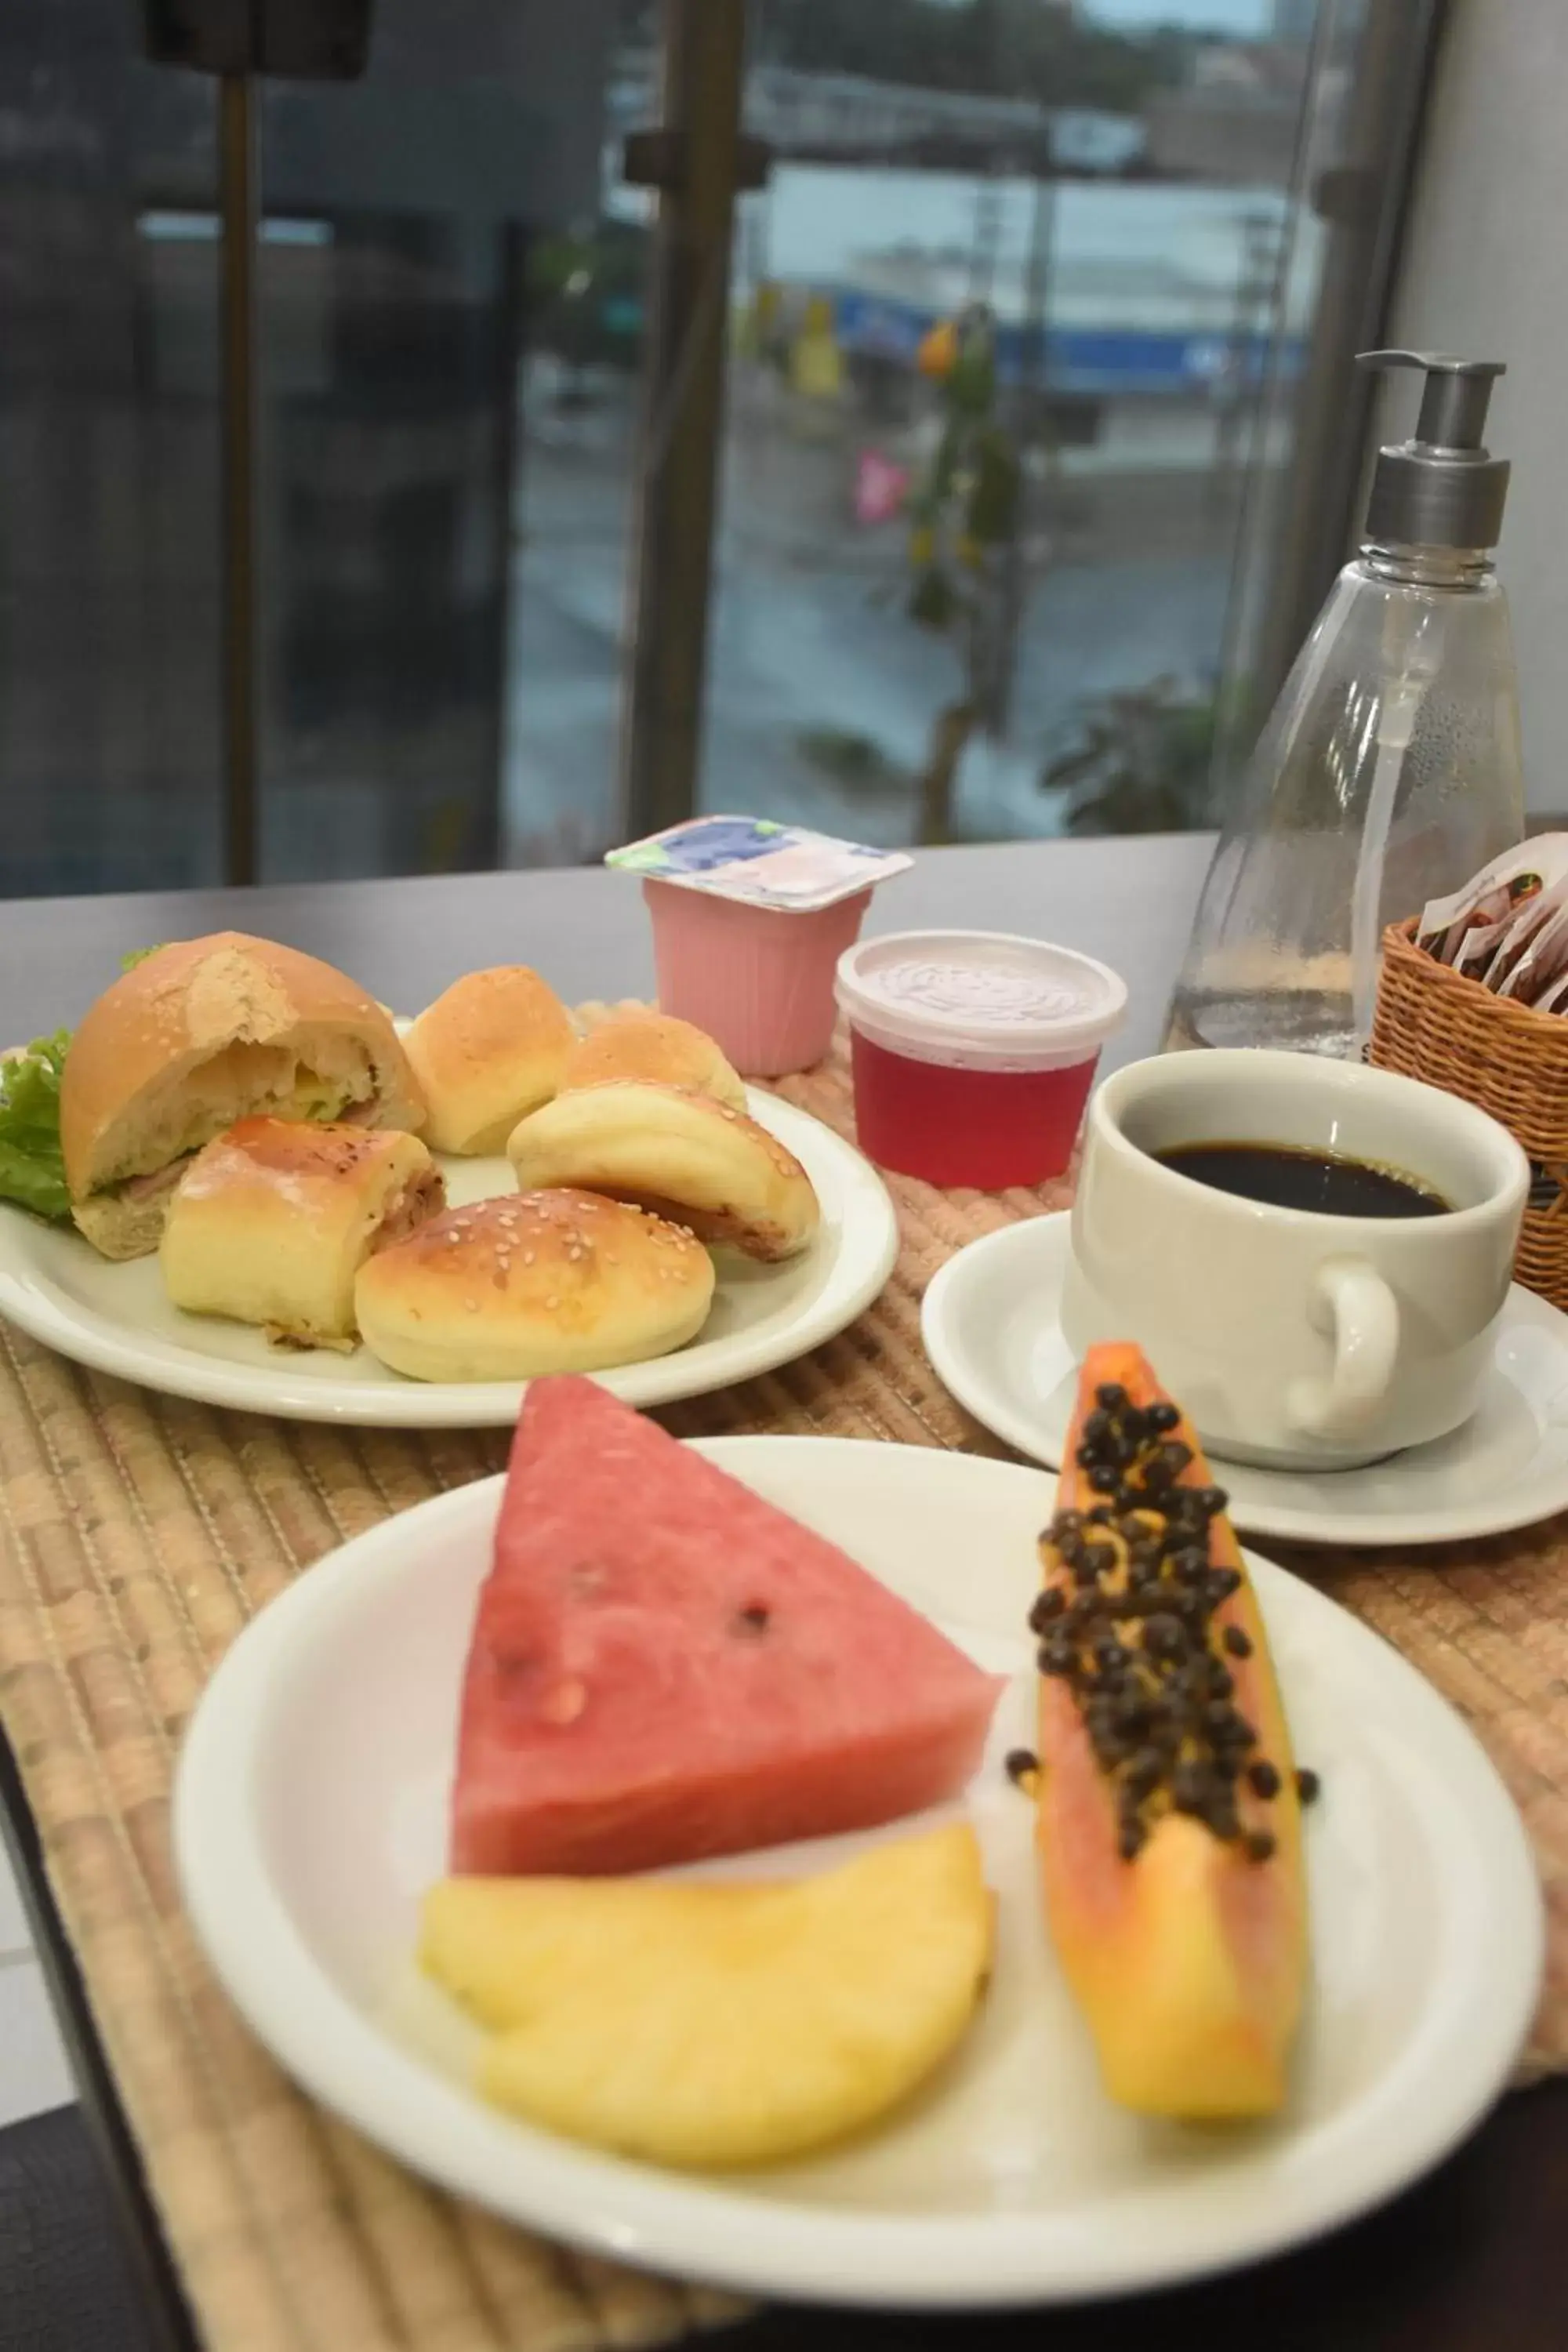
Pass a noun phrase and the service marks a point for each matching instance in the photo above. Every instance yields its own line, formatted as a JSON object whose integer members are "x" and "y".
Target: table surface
{"x": 1130, "y": 902}
{"x": 1470, "y": 2258}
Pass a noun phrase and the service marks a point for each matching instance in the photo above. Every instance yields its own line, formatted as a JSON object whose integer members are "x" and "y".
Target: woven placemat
{"x": 138, "y": 1534}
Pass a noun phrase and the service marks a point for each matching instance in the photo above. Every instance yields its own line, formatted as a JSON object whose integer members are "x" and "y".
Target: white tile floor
{"x": 33, "y": 2070}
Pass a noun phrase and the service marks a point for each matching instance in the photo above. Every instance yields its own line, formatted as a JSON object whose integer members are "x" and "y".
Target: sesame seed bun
{"x": 641, "y": 1044}
{"x": 490, "y": 1050}
{"x": 681, "y": 1155}
{"x": 554, "y": 1281}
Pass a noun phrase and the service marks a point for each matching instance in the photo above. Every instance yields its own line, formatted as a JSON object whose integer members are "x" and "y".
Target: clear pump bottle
{"x": 1389, "y": 770}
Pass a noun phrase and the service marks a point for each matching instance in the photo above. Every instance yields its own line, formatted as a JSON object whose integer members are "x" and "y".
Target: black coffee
{"x": 1287, "y": 1178}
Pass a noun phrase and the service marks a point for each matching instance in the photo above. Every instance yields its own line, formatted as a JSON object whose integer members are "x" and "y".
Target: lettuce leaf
{"x": 31, "y": 1170}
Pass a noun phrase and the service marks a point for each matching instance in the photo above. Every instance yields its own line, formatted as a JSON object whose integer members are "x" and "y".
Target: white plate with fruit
{"x": 857, "y": 2066}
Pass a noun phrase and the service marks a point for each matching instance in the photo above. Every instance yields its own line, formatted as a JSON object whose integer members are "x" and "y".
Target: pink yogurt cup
{"x": 759, "y": 979}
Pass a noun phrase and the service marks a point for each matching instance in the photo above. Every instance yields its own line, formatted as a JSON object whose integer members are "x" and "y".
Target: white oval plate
{"x": 118, "y": 1318}
{"x": 990, "y": 1326}
{"x": 309, "y": 1816}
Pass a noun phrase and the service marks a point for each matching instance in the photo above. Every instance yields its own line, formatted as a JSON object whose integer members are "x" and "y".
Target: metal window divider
{"x": 699, "y": 160}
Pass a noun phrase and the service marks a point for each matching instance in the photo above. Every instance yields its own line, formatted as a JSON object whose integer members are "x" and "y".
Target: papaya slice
{"x": 1168, "y": 1805}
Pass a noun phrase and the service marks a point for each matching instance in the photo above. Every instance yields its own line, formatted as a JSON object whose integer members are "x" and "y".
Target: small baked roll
{"x": 678, "y": 1153}
{"x": 490, "y": 1050}
{"x": 638, "y": 1044}
{"x": 533, "y": 1282}
{"x": 273, "y": 1219}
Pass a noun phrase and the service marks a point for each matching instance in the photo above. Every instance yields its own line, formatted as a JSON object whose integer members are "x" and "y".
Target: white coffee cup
{"x": 1293, "y": 1337}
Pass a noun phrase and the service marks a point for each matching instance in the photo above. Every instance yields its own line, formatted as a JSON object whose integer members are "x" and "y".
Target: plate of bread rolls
{"x": 275, "y": 1195}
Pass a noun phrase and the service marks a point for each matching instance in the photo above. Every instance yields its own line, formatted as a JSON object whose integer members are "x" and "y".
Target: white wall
{"x": 1486, "y": 275}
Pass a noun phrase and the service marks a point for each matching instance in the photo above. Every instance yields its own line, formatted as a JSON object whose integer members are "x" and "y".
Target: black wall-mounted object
{"x": 298, "y": 40}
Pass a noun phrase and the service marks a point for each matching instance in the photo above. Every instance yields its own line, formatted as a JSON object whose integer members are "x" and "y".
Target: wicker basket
{"x": 1435, "y": 1023}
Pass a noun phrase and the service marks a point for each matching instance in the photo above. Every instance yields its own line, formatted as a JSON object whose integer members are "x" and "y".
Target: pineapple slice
{"x": 507, "y": 1947}
{"x": 717, "y": 2023}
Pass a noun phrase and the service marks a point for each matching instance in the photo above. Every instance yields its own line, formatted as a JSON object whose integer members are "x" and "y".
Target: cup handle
{"x": 1355, "y": 1306}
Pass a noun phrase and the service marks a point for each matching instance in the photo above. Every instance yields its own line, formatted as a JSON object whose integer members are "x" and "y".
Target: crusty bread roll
{"x": 490, "y": 1050}
{"x": 197, "y": 1036}
{"x": 271, "y": 1222}
{"x": 533, "y": 1282}
{"x": 679, "y": 1154}
{"x": 636, "y": 1043}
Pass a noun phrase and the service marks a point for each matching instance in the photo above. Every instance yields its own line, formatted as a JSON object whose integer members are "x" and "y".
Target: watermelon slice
{"x": 664, "y": 1666}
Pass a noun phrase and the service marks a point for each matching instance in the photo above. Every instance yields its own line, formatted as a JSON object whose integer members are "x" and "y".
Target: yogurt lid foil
{"x": 759, "y": 862}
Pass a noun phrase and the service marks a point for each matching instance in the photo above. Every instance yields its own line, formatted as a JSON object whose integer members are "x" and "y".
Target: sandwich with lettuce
{"x": 97, "y": 1129}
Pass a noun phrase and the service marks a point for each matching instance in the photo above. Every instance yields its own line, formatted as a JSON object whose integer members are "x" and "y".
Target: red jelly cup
{"x": 974, "y": 1052}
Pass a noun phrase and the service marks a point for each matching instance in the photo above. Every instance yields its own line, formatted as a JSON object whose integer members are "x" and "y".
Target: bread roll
{"x": 677, "y": 1153}
{"x": 640, "y": 1044}
{"x": 490, "y": 1050}
{"x": 271, "y": 1222}
{"x": 533, "y": 1282}
{"x": 197, "y": 1036}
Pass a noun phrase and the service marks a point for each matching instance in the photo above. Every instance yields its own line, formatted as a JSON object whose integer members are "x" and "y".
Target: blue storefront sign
{"x": 1088, "y": 361}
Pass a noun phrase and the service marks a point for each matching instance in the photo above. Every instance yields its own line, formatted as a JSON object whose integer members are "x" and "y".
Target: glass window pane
{"x": 1023, "y": 333}
{"x": 416, "y": 574}
{"x": 108, "y": 537}
{"x": 1004, "y": 316}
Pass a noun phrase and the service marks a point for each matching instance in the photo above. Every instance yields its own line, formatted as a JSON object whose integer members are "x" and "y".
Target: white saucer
{"x": 991, "y": 1330}
{"x": 310, "y": 1813}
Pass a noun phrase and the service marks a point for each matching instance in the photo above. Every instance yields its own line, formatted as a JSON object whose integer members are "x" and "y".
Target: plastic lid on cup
{"x": 980, "y": 1000}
